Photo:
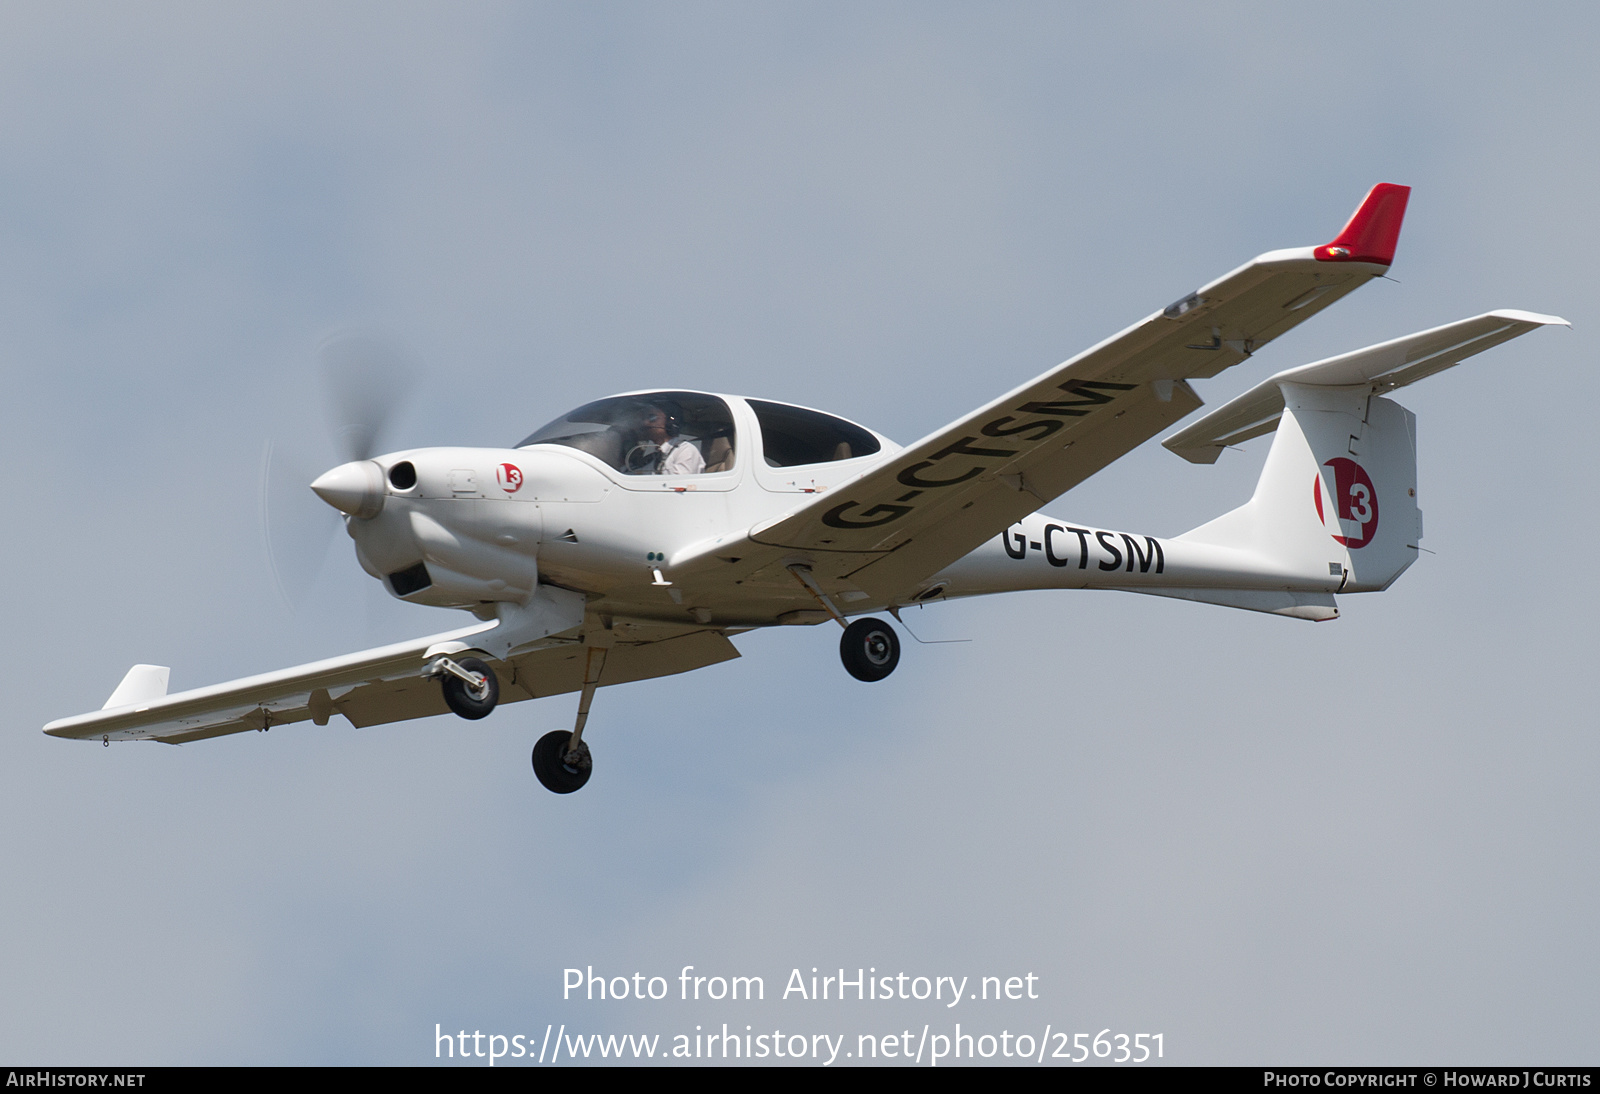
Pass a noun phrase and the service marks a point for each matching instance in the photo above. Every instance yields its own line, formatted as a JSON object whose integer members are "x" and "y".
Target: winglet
{"x": 143, "y": 684}
{"x": 1373, "y": 231}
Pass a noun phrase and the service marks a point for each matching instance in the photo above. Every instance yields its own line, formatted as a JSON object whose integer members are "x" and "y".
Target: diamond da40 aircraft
{"x": 631, "y": 537}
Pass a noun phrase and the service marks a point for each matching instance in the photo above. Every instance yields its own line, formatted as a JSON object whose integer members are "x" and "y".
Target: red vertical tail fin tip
{"x": 1373, "y": 231}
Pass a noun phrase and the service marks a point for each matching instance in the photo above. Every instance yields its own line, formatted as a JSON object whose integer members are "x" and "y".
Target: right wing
{"x": 937, "y": 500}
{"x": 376, "y": 686}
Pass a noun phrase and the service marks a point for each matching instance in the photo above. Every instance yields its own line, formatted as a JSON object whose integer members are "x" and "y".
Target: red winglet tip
{"x": 1374, "y": 230}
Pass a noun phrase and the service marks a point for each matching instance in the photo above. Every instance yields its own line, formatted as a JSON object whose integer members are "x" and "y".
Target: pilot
{"x": 674, "y": 455}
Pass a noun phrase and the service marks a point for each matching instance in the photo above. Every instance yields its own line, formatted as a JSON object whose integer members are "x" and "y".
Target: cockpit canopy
{"x": 661, "y": 432}
{"x": 687, "y": 433}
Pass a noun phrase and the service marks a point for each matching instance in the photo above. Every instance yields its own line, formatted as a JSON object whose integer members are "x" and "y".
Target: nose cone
{"x": 354, "y": 488}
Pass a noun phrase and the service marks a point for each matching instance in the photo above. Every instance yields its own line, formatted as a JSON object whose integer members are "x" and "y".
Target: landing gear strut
{"x": 469, "y": 686}
{"x": 561, "y": 760}
{"x": 869, "y": 649}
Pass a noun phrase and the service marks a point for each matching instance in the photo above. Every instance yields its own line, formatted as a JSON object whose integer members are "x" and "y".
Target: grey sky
{"x": 1372, "y": 840}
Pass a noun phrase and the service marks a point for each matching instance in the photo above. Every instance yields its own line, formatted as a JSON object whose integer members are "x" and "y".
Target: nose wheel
{"x": 869, "y": 649}
{"x": 470, "y": 687}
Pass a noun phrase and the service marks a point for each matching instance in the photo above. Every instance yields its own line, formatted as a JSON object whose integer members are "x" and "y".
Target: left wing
{"x": 939, "y": 499}
{"x": 376, "y": 686}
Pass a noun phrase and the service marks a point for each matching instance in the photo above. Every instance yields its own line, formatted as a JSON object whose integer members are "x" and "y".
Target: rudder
{"x": 1361, "y": 492}
{"x": 1335, "y": 506}
{"x": 1338, "y": 495}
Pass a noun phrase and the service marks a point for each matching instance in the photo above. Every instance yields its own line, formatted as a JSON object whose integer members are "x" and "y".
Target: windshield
{"x": 659, "y": 433}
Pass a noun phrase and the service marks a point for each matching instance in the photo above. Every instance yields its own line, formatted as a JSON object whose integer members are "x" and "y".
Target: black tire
{"x": 550, "y": 764}
{"x": 869, "y": 649}
{"x": 461, "y": 698}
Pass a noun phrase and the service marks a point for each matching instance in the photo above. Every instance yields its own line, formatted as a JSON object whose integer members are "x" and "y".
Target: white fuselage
{"x": 489, "y": 524}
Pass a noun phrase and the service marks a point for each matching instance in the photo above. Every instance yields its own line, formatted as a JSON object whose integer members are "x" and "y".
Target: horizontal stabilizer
{"x": 1380, "y": 368}
{"x": 1313, "y": 606}
{"x": 143, "y": 684}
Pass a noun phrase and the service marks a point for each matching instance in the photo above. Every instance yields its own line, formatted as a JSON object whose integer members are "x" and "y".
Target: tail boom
{"x": 1042, "y": 552}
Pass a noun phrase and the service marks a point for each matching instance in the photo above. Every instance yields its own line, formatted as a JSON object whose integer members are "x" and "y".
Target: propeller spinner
{"x": 366, "y": 381}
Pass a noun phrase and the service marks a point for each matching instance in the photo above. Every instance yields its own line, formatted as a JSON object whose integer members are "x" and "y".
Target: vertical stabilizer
{"x": 1337, "y": 496}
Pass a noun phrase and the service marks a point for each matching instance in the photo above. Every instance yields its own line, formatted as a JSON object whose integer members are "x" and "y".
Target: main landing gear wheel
{"x": 869, "y": 649}
{"x": 468, "y": 699}
{"x": 559, "y": 772}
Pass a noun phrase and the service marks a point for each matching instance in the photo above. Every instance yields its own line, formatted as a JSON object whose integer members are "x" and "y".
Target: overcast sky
{"x": 1372, "y": 840}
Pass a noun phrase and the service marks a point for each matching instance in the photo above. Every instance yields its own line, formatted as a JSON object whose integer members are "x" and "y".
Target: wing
{"x": 908, "y": 518}
{"x": 375, "y": 687}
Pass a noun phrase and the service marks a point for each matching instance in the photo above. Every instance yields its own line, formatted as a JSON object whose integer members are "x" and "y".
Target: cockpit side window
{"x": 658, "y": 433}
{"x": 792, "y": 436}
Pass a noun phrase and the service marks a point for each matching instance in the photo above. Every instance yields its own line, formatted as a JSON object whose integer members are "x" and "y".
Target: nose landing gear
{"x": 470, "y": 687}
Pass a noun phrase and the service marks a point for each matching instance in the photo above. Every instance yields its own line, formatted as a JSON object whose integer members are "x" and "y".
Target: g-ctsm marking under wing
{"x": 940, "y": 498}
{"x": 375, "y": 687}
